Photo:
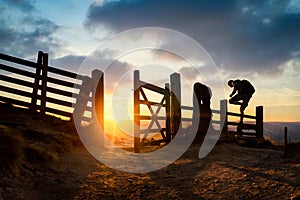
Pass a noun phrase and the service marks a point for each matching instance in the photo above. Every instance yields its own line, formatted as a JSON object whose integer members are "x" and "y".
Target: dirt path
{"x": 229, "y": 172}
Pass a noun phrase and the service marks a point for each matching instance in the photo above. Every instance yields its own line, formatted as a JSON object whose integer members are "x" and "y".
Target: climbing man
{"x": 244, "y": 91}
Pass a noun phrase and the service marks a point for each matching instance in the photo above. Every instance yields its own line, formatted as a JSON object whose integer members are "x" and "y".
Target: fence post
{"x": 44, "y": 83}
{"x": 259, "y": 122}
{"x": 168, "y": 114}
{"x": 82, "y": 99}
{"x": 223, "y": 115}
{"x": 285, "y": 142}
{"x": 136, "y": 96}
{"x": 175, "y": 103}
{"x": 98, "y": 95}
{"x": 36, "y": 81}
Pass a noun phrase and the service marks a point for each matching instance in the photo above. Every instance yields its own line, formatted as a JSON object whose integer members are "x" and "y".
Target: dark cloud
{"x": 23, "y": 5}
{"x": 255, "y": 36}
{"x": 24, "y": 34}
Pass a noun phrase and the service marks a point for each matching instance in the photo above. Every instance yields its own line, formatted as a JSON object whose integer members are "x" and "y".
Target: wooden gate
{"x": 140, "y": 135}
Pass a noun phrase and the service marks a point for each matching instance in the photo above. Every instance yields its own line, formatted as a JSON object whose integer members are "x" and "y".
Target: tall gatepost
{"x": 168, "y": 112}
{"x": 175, "y": 103}
{"x": 36, "y": 81}
{"x": 82, "y": 99}
{"x": 98, "y": 95}
{"x": 136, "y": 96}
{"x": 223, "y": 115}
{"x": 259, "y": 122}
{"x": 44, "y": 83}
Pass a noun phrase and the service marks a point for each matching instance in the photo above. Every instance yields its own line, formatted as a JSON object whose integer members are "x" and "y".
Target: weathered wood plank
{"x": 14, "y": 101}
{"x": 16, "y": 81}
{"x": 63, "y": 83}
{"x": 58, "y": 101}
{"x": 17, "y": 71}
{"x": 152, "y": 87}
{"x": 145, "y": 117}
{"x": 15, "y": 91}
{"x": 187, "y": 107}
{"x": 65, "y": 73}
{"x": 18, "y": 60}
{"x": 238, "y": 115}
{"x": 152, "y": 103}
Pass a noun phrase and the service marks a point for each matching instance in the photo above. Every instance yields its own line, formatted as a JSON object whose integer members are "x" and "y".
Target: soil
{"x": 228, "y": 172}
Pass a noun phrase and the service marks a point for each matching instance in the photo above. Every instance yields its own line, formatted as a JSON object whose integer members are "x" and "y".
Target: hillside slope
{"x": 42, "y": 158}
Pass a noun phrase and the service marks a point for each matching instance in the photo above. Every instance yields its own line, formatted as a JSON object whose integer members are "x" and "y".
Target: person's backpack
{"x": 247, "y": 87}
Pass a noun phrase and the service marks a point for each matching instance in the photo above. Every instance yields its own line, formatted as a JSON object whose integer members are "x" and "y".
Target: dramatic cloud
{"x": 251, "y": 36}
{"x": 22, "y": 33}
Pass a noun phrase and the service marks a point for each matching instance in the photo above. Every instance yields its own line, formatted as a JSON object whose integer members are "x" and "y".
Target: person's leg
{"x": 235, "y": 100}
{"x": 245, "y": 100}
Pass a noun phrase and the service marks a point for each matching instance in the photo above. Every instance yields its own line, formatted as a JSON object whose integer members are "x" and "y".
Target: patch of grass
{"x": 11, "y": 151}
{"x": 36, "y": 153}
{"x": 31, "y": 138}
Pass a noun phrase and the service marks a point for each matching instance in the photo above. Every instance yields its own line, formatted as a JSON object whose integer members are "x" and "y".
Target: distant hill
{"x": 275, "y": 131}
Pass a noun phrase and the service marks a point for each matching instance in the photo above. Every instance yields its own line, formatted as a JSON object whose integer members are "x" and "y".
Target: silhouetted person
{"x": 203, "y": 116}
{"x": 244, "y": 91}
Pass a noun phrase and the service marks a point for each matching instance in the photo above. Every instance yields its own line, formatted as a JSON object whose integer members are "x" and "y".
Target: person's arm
{"x": 235, "y": 88}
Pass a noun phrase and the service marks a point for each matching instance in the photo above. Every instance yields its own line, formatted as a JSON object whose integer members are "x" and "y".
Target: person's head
{"x": 230, "y": 83}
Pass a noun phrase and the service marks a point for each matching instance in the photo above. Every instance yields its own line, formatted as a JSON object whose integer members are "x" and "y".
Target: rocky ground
{"x": 230, "y": 171}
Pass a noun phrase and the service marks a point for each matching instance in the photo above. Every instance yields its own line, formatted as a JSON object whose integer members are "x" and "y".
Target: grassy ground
{"x": 27, "y": 138}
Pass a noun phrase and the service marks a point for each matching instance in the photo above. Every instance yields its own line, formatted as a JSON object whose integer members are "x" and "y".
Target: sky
{"x": 257, "y": 40}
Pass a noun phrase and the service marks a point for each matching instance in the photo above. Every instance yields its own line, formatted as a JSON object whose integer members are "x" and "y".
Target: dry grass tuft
{"x": 30, "y": 139}
{"x": 11, "y": 151}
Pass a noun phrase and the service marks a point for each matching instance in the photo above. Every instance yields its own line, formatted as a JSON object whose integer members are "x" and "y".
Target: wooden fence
{"x": 256, "y": 127}
{"x": 50, "y": 90}
{"x": 173, "y": 118}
